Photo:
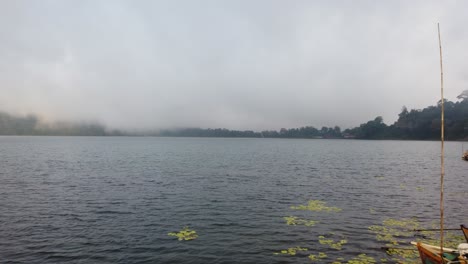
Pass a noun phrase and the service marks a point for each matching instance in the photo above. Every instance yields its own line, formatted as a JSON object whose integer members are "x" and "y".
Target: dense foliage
{"x": 419, "y": 124}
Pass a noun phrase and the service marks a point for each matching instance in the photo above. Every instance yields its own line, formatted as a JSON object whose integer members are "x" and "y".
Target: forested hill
{"x": 420, "y": 124}
{"x": 414, "y": 124}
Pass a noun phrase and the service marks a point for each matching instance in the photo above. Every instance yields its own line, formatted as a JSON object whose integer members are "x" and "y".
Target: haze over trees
{"x": 415, "y": 124}
{"x": 303, "y": 132}
{"x": 31, "y": 125}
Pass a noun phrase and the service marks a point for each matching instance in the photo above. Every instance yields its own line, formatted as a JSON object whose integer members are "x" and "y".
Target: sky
{"x": 237, "y": 64}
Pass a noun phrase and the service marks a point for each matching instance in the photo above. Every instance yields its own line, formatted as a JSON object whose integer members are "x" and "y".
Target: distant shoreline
{"x": 411, "y": 125}
{"x": 154, "y": 136}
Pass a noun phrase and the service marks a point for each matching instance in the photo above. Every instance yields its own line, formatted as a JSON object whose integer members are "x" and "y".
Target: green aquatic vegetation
{"x": 362, "y": 259}
{"x": 185, "y": 234}
{"x": 398, "y": 232}
{"x": 395, "y": 232}
{"x": 316, "y": 206}
{"x": 331, "y": 243}
{"x": 290, "y": 251}
{"x": 294, "y": 220}
{"x": 321, "y": 255}
{"x": 408, "y": 224}
{"x": 403, "y": 256}
{"x": 338, "y": 260}
{"x": 451, "y": 239}
{"x": 392, "y": 230}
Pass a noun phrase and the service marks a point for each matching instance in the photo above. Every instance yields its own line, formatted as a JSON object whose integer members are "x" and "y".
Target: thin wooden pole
{"x": 442, "y": 167}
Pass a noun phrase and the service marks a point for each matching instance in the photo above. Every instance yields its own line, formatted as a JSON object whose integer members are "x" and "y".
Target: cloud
{"x": 234, "y": 64}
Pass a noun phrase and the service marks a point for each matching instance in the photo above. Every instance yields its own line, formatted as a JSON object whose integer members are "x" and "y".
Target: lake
{"x": 115, "y": 199}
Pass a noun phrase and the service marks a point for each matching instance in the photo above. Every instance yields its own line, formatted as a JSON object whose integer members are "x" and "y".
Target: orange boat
{"x": 465, "y": 231}
{"x": 465, "y": 156}
{"x": 431, "y": 255}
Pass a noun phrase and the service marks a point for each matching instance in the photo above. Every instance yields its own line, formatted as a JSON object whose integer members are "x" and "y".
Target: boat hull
{"x": 431, "y": 254}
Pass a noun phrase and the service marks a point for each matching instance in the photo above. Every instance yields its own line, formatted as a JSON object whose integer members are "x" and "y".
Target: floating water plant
{"x": 362, "y": 259}
{"x": 451, "y": 238}
{"x": 338, "y": 261}
{"x": 393, "y": 229}
{"x": 320, "y": 256}
{"x": 331, "y": 243}
{"x": 397, "y": 233}
{"x": 185, "y": 234}
{"x": 316, "y": 206}
{"x": 291, "y": 251}
{"x": 294, "y": 220}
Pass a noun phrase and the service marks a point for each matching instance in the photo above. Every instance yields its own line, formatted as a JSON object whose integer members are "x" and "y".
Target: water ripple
{"x": 113, "y": 200}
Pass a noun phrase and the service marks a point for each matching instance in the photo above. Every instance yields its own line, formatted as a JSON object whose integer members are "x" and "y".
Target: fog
{"x": 233, "y": 64}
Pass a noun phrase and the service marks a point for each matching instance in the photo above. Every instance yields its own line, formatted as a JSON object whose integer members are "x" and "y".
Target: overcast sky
{"x": 235, "y": 64}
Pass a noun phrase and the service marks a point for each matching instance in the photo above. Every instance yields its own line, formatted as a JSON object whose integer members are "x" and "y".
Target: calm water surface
{"x": 114, "y": 199}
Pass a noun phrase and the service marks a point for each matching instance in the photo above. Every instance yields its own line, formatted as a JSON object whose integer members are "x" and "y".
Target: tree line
{"x": 415, "y": 124}
{"x": 303, "y": 132}
{"x": 422, "y": 124}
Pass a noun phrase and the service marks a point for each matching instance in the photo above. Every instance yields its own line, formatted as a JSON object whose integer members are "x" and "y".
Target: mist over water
{"x": 237, "y": 65}
{"x": 203, "y": 69}
{"x": 115, "y": 199}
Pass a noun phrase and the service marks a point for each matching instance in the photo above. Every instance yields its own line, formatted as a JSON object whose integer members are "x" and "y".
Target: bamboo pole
{"x": 442, "y": 168}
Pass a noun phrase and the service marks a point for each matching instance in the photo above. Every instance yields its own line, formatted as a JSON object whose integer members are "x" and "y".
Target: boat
{"x": 431, "y": 254}
{"x": 438, "y": 254}
{"x": 465, "y": 232}
{"x": 465, "y": 156}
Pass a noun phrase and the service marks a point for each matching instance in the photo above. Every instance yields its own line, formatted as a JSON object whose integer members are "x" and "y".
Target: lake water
{"x": 115, "y": 199}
